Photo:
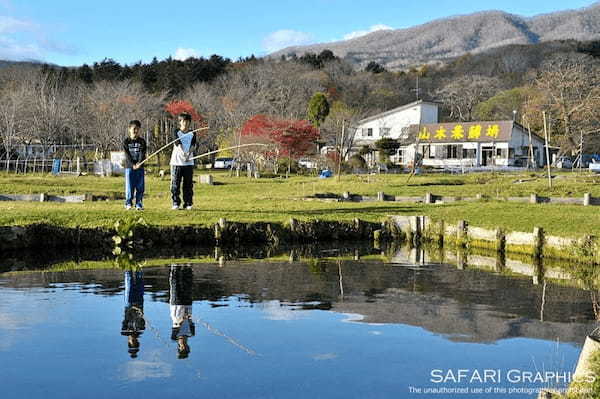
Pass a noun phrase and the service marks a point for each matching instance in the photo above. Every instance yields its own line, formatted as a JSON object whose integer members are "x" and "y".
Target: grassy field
{"x": 278, "y": 199}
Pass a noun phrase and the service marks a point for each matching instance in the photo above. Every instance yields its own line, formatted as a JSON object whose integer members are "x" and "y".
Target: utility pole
{"x": 547, "y": 149}
{"x": 417, "y": 90}
{"x": 341, "y": 149}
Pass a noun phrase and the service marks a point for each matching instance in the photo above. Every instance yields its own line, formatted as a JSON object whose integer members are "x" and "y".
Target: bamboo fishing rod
{"x": 227, "y": 148}
{"x": 168, "y": 144}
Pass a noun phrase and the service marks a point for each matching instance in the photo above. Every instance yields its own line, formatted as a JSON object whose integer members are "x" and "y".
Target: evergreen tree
{"x": 318, "y": 109}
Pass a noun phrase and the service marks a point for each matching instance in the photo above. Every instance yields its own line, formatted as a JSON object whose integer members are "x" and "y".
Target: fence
{"x": 34, "y": 164}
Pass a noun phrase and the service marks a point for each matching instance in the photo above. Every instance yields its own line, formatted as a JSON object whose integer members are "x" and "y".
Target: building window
{"x": 367, "y": 132}
{"x": 452, "y": 151}
{"x": 400, "y": 156}
{"x": 384, "y": 131}
{"x": 426, "y": 151}
{"x": 469, "y": 153}
{"x": 404, "y": 132}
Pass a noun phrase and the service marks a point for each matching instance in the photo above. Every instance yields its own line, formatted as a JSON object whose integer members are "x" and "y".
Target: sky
{"x": 74, "y": 32}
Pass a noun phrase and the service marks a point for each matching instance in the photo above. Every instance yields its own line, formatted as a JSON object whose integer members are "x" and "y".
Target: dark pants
{"x": 185, "y": 173}
{"x": 134, "y": 186}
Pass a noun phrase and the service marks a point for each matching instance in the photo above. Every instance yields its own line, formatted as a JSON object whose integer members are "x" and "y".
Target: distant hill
{"x": 5, "y": 63}
{"x": 452, "y": 37}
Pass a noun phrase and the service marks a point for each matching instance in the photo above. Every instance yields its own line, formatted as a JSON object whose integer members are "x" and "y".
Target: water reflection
{"x": 134, "y": 323}
{"x": 373, "y": 320}
{"x": 181, "y": 280}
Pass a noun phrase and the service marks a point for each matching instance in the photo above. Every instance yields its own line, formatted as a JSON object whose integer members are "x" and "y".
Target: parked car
{"x": 564, "y": 163}
{"x": 223, "y": 163}
{"x": 307, "y": 163}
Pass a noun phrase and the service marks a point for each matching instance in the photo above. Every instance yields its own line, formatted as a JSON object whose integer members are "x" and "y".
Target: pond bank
{"x": 413, "y": 229}
{"x": 223, "y": 233}
{"x": 423, "y": 229}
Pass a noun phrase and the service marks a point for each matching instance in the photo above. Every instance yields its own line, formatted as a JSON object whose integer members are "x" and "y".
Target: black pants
{"x": 185, "y": 173}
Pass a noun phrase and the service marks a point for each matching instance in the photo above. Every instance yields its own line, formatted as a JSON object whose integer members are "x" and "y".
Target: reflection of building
{"x": 415, "y": 126}
{"x": 466, "y": 305}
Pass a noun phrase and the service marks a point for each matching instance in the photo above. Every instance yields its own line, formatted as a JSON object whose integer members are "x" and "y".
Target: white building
{"x": 472, "y": 144}
{"x": 395, "y": 122}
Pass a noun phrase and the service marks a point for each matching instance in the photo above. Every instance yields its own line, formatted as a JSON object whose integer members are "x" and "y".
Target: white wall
{"x": 520, "y": 138}
{"x": 396, "y": 121}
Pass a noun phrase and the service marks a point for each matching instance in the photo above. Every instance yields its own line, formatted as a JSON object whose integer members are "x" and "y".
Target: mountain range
{"x": 451, "y": 37}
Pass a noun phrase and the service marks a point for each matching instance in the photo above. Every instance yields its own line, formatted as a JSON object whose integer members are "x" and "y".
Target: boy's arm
{"x": 175, "y": 137}
{"x": 193, "y": 144}
{"x": 143, "y": 150}
{"x": 142, "y": 153}
{"x": 192, "y": 147}
{"x": 127, "y": 153}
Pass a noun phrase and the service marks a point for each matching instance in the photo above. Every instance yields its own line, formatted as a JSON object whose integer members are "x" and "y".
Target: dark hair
{"x": 185, "y": 116}
{"x": 135, "y": 122}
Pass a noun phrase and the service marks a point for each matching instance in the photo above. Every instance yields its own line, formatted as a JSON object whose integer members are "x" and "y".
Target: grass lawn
{"x": 276, "y": 200}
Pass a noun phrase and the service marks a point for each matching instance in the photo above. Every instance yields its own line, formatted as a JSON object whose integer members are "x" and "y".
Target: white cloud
{"x": 359, "y": 33}
{"x": 274, "y": 310}
{"x": 285, "y": 38}
{"x": 138, "y": 370}
{"x": 12, "y": 50}
{"x": 13, "y": 25}
{"x": 183, "y": 54}
{"x": 21, "y": 39}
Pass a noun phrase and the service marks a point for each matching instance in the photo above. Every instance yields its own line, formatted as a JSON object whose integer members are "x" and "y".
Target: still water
{"x": 319, "y": 328}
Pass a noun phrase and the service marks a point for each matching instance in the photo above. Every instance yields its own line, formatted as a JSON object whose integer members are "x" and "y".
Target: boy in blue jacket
{"x": 135, "y": 152}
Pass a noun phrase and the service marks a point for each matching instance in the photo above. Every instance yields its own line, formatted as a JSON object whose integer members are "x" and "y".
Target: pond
{"x": 348, "y": 327}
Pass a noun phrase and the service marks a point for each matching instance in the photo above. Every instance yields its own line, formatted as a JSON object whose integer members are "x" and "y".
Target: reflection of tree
{"x": 589, "y": 276}
{"x": 318, "y": 267}
{"x": 124, "y": 240}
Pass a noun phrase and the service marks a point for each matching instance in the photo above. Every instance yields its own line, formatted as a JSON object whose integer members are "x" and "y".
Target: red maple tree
{"x": 177, "y": 107}
{"x": 293, "y": 137}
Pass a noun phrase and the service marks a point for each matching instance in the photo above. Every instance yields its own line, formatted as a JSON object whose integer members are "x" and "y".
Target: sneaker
{"x": 175, "y": 207}
{"x": 128, "y": 207}
{"x": 188, "y": 208}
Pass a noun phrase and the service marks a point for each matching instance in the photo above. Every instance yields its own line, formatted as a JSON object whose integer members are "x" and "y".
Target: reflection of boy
{"x": 180, "y": 304}
{"x": 133, "y": 322}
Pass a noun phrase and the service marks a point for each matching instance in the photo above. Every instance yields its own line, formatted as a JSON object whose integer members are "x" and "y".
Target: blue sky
{"x": 73, "y": 32}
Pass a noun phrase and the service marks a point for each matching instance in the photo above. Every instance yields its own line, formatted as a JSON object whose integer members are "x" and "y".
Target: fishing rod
{"x": 227, "y": 148}
{"x": 168, "y": 144}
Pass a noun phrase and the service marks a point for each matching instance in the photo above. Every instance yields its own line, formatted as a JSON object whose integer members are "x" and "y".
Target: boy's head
{"x": 185, "y": 120}
{"x": 133, "y": 345}
{"x": 134, "y": 128}
{"x": 183, "y": 349}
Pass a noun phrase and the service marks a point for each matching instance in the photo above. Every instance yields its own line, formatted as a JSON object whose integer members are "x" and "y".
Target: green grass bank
{"x": 278, "y": 199}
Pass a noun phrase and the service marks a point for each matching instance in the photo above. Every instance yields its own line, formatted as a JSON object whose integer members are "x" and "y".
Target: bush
{"x": 357, "y": 162}
{"x": 283, "y": 164}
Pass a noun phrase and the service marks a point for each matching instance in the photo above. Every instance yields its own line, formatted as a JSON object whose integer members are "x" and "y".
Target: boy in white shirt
{"x": 182, "y": 167}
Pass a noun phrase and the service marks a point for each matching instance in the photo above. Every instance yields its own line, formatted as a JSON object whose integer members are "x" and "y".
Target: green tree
{"x": 318, "y": 109}
{"x": 374, "y": 67}
{"x": 502, "y": 105}
{"x": 386, "y": 147}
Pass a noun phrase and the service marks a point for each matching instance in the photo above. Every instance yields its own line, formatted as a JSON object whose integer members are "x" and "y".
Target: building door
{"x": 487, "y": 155}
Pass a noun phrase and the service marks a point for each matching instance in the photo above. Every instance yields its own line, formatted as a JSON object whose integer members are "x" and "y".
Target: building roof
{"x": 394, "y": 110}
{"x": 453, "y": 132}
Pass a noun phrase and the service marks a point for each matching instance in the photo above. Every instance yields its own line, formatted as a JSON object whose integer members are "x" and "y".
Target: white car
{"x": 564, "y": 163}
{"x": 307, "y": 163}
{"x": 223, "y": 163}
